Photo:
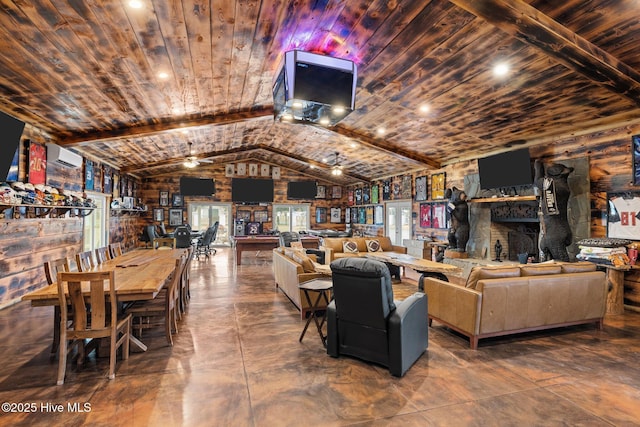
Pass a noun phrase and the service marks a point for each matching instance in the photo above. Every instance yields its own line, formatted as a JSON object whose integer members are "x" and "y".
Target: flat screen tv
{"x": 11, "y": 133}
{"x": 509, "y": 169}
{"x": 190, "y": 186}
{"x": 249, "y": 190}
{"x": 301, "y": 190}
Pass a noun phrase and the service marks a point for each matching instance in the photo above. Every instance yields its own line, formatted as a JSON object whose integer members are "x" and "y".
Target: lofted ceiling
{"x": 88, "y": 73}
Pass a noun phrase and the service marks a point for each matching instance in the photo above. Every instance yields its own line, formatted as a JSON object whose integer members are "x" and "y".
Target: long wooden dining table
{"x": 139, "y": 275}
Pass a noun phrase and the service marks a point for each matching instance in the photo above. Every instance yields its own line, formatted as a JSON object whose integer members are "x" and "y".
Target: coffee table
{"x": 425, "y": 267}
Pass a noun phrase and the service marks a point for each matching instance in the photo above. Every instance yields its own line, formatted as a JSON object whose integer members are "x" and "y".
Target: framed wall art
{"x": 378, "y": 215}
{"x": 158, "y": 214}
{"x": 635, "y": 145}
{"x": 622, "y": 216}
{"x": 253, "y": 169}
{"x": 386, "y": 190}
{"x": 335, "y": 215}
{"x": 229, "y": 169}
{"x": 244, "y": 215}
{"x": 264, "y": 170}
{"x": 261, "y": 216}
{"x": 421, "y": 188}
{"x": 439, "y": 215}
{"x": 175, "y": 217}
{"x": 321, "y": 215}
{"x": 176, "y": 200}
{"x": 275, "y": 172}
{"x": 38, "y": 164}
{"x": 241, "y": 169}
{"x": 164, "y": 198}
{"x": 437, "y": 185}
{"x": 347, "y": 215}
{"x": 406, "y": 192}
{"x": 336, "y": 192}
{"x": 107, "y": 179}
{"x": 321, "y": 192}
{"x": 375, "y": 193}
{"x": 88, "y": 174}
{"x": 425, "y": 215}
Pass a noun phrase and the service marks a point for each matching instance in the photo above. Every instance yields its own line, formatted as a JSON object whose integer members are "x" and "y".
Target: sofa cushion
{"x": 540, "y": 270}
{"x": 578, "y": 267}
{"x": 349, "y": 247}
{"x": 302, "y": 259}
{"x": 333, "y": 243}
{"x": 373, "y": 245}
{"x": 385, "y": 243}
{"x": 483, "y": 272}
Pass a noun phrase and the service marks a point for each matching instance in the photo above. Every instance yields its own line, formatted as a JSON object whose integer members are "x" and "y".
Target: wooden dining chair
{"x": 103, "y": 254}
{"x": 185, "y": 293}
{"x": 103, "y": 322}
{"x": 51, "y": 270}
{"x": 84, "y": 261}
{"x": 115, "y": 249}
{"x": 164, "y": 243}
{"x": 160, "y": 311}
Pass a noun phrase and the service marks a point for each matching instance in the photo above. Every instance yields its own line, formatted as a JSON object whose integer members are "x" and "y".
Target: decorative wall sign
{"x": 378, "y": 215}
{"x": 97, "y": 177}
{"x": 158, "y": 214}
{"x": 437, "y": 185}
{"x": 264, "y": 170}
{"x": 164, "y": 198}
{"x": 253, "y": 169}
{"x": 175, "y": 217}
{"x": 358, "y": 196}
{"x": 107, "y": 179}
{"x": 406, "y": 193}
{"x": 366, "y": 194}
{"x": 362, "y": 215}
{"x": 635, "y": 145}
{"x": 354, "y": 215}
{"x": 425, "y": 215}
{"x": 241, "y": 169}
{"x": 375, "y": 196}
{"x": 421, "y": 188}
{"x": 88, "y": 175}
{"x": 350, "y": 197}
{"x": 347, "y": 215}
{"x": 396, "y": 187}
{"x": 275, "y": 172}
{"x": 321, "y": 192}
{"x": 229, "y": 170}
{"x": 335, "y": 215}
{"x": 386, "y": 190}
{"x": 369, "y": 214}
{"x": 37, "y": 163}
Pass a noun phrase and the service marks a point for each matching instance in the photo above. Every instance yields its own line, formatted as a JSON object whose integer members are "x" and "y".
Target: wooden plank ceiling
{"x": 88, "y": 74}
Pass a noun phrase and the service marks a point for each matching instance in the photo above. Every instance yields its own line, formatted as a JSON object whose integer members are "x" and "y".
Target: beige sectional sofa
{"x": 334, "y": 247}
{"x": 290, "y": 269}
{"x": 506, "y": 300}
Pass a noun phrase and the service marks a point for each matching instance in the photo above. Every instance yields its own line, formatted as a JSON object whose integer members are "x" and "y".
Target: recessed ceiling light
{"x": 163, "y": 75}
{"x": 424, "y": 108}
{"x": 501, "y": 70}
{"x": 135, "y": 4}
{"x": 353, "y": 145}
{"x": 381, "y": 131}
{"x": 312, "y": 166}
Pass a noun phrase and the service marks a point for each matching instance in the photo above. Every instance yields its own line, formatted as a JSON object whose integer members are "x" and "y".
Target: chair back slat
{"x": 84, "y": 260}
{"x": 52, "y": 268}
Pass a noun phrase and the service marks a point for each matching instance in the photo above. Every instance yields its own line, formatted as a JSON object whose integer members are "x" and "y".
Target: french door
{"x": 291, "y": 217}
{"x": 204, "y": 215}
{"x": 398, "y": 221}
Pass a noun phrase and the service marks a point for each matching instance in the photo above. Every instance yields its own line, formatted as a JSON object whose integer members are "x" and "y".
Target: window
{"x": 95, "y": 233}
{"x": 204, "y": 215}
{"x": 291, "y": 217}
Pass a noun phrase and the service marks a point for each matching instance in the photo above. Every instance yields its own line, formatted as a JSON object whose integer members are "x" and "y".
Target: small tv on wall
{"x": 190, "y": 186}
{"x": 249, "y": 190}
{"x": 301, "y": 190}
{"x": 509, "y": 169}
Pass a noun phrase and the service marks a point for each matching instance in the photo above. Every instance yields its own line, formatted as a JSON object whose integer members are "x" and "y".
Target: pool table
{"x": 265, "y": 243}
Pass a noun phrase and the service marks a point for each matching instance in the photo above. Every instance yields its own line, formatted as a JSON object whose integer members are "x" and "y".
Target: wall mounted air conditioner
{"x": 62, "y": 156}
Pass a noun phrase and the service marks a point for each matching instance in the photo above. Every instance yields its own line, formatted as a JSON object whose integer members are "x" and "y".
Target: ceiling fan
{"x": 192, "y": 161}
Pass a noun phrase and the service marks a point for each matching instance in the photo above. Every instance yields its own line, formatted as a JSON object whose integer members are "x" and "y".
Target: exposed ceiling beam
{"x": 529, "y": 25}
{"x": 158, "y": 128}
{"x": 387, "y": 148}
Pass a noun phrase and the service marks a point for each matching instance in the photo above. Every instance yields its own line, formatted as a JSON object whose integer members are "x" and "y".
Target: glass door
{"x": 95, "y": 233}
{"x": 204, "y": 215}
{"x": 398, "y": 221}
{"x": 291, "y": 217}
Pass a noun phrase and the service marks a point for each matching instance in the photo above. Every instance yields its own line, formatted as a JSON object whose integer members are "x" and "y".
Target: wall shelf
{"x": 41, "y": 211}
{"x": 123, "y": 211}
{"x": 503, "y": 199}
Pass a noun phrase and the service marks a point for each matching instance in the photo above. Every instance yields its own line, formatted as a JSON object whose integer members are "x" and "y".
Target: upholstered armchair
{"x": 364, "y": 321}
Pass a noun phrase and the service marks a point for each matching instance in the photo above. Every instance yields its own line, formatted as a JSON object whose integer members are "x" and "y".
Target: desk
{"x": 321, "y": 287}
{"x": 266, "y": 243}
{"x": 425, "y": 267}
{"x": 139, "y": 275}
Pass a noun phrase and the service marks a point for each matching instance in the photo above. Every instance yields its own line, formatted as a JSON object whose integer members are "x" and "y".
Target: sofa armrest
{"x": 399, "y": 249}
{"x": 408, "y": 333}
{"x": 454, "y": 305}
{"x": 328, "y": 254}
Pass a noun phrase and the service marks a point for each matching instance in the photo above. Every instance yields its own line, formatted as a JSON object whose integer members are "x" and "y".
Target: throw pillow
{"x": 350, "y": 247}
{"x": 481, "y": 272}
{"x": 304, "y": 261}
{"x": 373, "y": 246}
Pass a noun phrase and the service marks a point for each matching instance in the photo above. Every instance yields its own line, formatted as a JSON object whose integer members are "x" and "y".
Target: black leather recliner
{"x": 363, "y": 320}
{"x": 286, "y": 237}
{"x": 148, "y": 234}
{"x": 183, "y": 237}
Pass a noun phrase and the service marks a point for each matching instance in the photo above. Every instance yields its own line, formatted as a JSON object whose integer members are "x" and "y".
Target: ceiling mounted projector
{"x": 314, "y": 89}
